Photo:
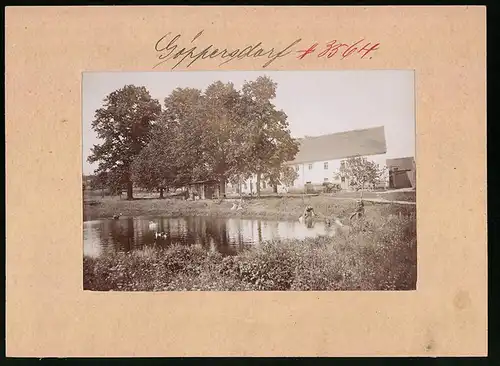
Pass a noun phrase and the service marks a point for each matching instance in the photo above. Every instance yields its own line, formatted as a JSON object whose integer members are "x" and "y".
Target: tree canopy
{"x": 219, "y": 133}
{"x": 124, "y": 124}
{"x": 271, "y": 144}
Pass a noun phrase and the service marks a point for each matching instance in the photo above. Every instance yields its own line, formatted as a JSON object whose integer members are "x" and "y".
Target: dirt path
{"x": 375, "y": 200}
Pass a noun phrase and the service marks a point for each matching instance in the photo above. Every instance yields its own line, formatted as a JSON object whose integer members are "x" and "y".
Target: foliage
{"x": 288, "y": 175}
{"x": 271, "y": 144}
{"x": 361, "y": 172}
{"x": 329, "y": 187}
{"x": 173, "y": 155}
{"x": 226, "y": 136}
{"x": 123, "y": 123}
{"x": 184, "y": 137}
{"x": 220, "y": 133}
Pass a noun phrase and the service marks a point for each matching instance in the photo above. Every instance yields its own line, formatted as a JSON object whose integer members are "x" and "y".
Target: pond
{"x": 228, "y": 236}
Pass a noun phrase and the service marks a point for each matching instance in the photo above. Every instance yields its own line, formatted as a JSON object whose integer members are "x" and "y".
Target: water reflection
{"x": 227, "y": 236}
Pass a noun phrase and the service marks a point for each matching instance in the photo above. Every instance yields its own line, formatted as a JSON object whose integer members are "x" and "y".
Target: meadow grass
{"x": 379, "y": 253}
{"x": 272, "y": 207}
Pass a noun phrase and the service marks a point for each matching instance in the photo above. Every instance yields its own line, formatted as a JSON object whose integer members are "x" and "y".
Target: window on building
{"x": 310, "y": 166}
{"x": 342, "y": 179}
{"x": 325, "y": 165}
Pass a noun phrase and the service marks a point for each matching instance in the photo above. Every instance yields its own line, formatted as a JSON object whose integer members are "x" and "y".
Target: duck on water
{"x": 161, "y": 235}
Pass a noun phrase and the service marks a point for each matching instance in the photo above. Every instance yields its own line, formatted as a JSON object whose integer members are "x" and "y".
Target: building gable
{"x": 366, "y": 142}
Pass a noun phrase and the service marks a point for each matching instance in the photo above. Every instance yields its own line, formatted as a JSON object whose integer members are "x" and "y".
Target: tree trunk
{"x": 258, "y": 184}
{"x": 222, "y": 187}
{"x": 130, "y": 191}
{"x": 161, "y": 193}
{"x": 275, "y": 188}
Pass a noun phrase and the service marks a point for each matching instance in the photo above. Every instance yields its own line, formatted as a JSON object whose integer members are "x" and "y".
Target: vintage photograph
{"x": 249, "y": 181}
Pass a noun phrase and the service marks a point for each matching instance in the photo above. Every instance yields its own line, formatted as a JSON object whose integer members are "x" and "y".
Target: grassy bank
{"x": 272, "y": 207}
{"x": 379, "y": 255}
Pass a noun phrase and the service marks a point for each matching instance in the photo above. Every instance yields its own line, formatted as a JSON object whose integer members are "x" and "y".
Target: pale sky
{"x": 316, "y": 102}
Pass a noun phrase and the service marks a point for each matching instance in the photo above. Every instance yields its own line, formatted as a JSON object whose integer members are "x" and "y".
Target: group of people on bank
{"x": 309, "y": 214}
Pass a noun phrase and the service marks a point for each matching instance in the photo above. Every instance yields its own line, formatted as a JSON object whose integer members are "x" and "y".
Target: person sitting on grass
{"x": 360, "y": 211}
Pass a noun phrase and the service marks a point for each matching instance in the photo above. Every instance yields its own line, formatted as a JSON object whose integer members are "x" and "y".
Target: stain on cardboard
{"x": 461, "y": 300}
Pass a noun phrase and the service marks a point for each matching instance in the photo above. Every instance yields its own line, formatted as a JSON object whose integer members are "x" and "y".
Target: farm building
{"x": 320, "y": 157}
{"x": 402, "y": 172}
{"x": 206, "y": 189}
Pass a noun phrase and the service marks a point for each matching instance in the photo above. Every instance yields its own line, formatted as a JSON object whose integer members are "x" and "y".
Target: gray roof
{"x": 343, "y": 145}
{"x": 401, "y": 163}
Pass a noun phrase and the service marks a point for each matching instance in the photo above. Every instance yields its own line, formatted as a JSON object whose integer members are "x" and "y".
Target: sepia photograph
{"x": 249, "y": 181}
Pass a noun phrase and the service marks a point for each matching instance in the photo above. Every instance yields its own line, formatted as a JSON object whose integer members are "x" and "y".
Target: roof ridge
{"x": 340, "y": 133}
{"x": 403, "y": 157}
{"x": 360, "y": 142}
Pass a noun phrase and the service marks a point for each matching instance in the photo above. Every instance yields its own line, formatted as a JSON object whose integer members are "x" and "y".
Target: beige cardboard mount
{"x": 48, "y": 313}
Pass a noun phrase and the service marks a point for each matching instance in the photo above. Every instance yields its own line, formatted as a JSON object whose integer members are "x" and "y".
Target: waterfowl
{"x": 160, "y": 235}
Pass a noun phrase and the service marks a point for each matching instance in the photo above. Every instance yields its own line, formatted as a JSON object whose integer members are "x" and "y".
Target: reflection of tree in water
{"x": 163, "y": 227}
{"x": 179, "y": 231}
{"x": 105, "y": 239}
{"x": 228, "y": 236}
{"x": 259, "y": 231}
{"x": 192, "y": 232}
{"x": 216, "y": 231}
{"x": 122, "y": 233}
{"x": 144, "y": 235}
{"x": 241, "y": 238}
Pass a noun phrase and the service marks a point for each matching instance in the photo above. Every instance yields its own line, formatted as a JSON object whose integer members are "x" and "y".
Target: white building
{"x": 320, "y": 157}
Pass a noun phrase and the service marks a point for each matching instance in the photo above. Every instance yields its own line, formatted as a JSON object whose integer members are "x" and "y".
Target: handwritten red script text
{"x": 333, "y": 48}
{"x": 169, "y": 48}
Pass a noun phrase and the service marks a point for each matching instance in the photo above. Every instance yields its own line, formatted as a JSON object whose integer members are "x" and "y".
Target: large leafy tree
{"x": 123, "y": 123}
{"x": 221, "y": 134}
{"x": 361, "y": 172}
{"x": 174, "y": 155}
{"x": 151, "y": 169}
{"x": 225, "y": 140}
{"x": 271, "y": 144}
{"x": 187, "y": 125}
